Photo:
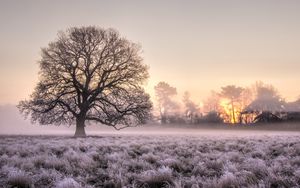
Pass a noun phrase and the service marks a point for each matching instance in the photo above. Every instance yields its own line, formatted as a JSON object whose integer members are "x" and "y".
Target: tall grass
{"x": 150, "y": 161}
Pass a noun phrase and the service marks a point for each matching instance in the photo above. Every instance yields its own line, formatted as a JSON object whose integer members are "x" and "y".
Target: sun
{"x": 228, "y": 113}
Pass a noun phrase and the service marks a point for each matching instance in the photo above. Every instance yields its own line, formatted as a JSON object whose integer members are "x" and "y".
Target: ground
{"x": 151, "y": 160}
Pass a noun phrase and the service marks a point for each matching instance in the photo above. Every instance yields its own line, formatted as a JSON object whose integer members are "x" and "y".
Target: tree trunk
{"x": 233, "y": 113}
{"x": 80, "y": 132}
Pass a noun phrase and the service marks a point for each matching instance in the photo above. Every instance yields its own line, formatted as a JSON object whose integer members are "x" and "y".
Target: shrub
{"x": 257, "y": 167}
{"x": 67, "y": 183}
{"x": 112, "y": 184}
{"x": 228, "y": 180}
{"x": 19, "y": 180}
{"x": 156, "y": 179}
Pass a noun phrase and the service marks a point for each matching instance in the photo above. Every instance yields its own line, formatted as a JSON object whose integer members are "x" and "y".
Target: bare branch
{"x": 91, "y": 74}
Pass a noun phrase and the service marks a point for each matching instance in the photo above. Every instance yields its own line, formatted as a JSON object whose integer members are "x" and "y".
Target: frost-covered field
{"x": 150, "y": 161}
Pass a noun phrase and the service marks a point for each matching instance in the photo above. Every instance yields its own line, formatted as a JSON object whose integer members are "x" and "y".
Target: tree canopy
{"x": 164, "y": 94}
{"x": 90, "y": 74}
{"x": 233, "y": 94}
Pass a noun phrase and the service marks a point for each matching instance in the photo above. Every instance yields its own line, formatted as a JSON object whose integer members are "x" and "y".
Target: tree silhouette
{"x": 232, "y": 93}
{"x": 164, "y": 93}
{"x": 267, "y": 99}
{"x": 90, "y": 74}
{"x": 191, "y": 109}
{"x": 212, "y": 103}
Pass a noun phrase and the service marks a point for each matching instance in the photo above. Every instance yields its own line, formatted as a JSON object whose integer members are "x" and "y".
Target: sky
{"x": 196, "y": 46}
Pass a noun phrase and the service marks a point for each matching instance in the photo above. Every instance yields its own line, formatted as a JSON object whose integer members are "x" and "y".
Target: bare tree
{"x": 191, "y": 108}
{"x": 233, "y": 94}
{"x": 212, "y": 103}
{"x": 90, "y": 74}
{"x": 164, "y": 93}
{"x": 267, "y": 99}
{"x": 247, "y": 96}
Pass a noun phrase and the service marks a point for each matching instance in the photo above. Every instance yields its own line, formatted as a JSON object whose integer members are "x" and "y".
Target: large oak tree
{"x": 90, "y": 74}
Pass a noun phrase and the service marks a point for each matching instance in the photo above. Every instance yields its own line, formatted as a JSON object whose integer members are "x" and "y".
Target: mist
{"x": 12, "y": 122}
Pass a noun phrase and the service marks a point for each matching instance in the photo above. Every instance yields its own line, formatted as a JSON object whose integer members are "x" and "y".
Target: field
{"x": 151, "y": 160}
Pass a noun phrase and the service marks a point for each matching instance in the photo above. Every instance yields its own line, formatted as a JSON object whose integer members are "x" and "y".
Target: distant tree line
{"x": 232, "y": 104}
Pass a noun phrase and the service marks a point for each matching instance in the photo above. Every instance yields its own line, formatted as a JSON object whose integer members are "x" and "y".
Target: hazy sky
{"x": 194, "y": 45}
